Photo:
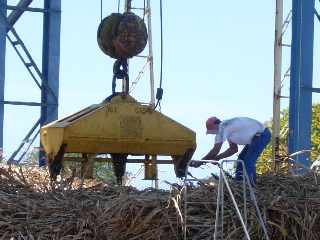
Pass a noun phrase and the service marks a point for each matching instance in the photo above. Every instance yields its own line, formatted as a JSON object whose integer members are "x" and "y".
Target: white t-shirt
{"x": 239, "y": 130}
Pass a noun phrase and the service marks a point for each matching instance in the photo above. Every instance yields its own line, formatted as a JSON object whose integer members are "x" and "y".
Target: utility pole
{"x": 150, "y": 57}
{"x": 277, "y": 83}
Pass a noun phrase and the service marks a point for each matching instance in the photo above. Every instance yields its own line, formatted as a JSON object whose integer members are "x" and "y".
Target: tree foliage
{"x": 265, "y": 161}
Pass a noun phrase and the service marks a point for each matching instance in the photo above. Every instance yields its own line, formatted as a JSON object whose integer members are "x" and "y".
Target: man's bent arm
{"x": 213, "y": 153}
{"x": 233, "y": 148}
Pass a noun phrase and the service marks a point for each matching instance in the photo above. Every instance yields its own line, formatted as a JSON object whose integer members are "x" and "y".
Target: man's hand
{"x": 214, "y": 163}
{"x": 196, "y": 164}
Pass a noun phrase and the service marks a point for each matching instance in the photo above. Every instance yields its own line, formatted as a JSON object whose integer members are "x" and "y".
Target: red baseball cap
{"x": 210, "y": 123}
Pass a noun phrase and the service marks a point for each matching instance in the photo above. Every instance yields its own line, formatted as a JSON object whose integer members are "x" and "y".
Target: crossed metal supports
{"x": 219, "y": 215}
{"x": 46, "y": 80}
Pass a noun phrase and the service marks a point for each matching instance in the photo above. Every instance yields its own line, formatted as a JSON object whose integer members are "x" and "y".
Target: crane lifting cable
{"x": 160, "y": 89}
{"x": 122, "y": 36}
{"x": 120, "y": 126}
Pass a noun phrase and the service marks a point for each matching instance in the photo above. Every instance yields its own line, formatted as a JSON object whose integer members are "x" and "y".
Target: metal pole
{"x": 300, "y": 108}
{"x": 236, "y": 206}
{"x": 50, "y": 60}
{"x": 154, "y": 161}
{"x": 50, "y": 63}
{"x": 253, "y": 198}
{"x": 127, "y": 8}
{"x": 185, "y": 195}
{"x": 3, "y": 32}
{"x": 150, "y": 57}
{"x": 245, "y": 215}
{"x": 277, "y": 82}
{"x": 216, "y": 222}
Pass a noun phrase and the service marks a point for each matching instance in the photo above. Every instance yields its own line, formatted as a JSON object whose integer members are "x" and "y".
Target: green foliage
{"x": 315, "y": 131}
{"x": 101, "y": 170}
{"x": 104, "y": 172}
{"x": 265, "y": 161}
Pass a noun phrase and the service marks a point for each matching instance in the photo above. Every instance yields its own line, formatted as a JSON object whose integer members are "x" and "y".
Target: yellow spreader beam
{"x": 119, "y": 126}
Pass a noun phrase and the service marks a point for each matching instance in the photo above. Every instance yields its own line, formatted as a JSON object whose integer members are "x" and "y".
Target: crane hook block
{"x": 122, "y": 36}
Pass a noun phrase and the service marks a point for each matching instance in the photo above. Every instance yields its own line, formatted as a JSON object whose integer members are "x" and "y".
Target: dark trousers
{"x": 251, "y": 153}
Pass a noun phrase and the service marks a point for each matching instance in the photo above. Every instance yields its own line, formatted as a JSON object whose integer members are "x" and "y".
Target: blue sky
{"x": 218, "y": 60}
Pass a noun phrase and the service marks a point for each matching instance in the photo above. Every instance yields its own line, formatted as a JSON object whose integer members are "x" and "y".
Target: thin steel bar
{"x": 216, "y": 224}
{"x": 21, "y": 103}
{"x": 27, "y": 149}
{"x": 236, "y": 206}
{"x": 317, "y": 14}
{"x": 141, "y": 160}
{"x": 14, "y": 45}
{"x": 315, "y": 90}
{"x": 26, "y": 138}
{"x": 3, "y": 32}
{"x": 286, "y": 23}
{"x": 285, "y": 45}
{"x": 253, "y": 198}
{"x": 26, "y": 9}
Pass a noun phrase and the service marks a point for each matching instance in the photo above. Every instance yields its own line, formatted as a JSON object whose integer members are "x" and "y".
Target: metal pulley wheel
{"x": 122, "y": 36}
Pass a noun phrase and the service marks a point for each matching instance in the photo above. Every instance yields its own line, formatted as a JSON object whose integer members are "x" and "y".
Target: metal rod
{"x": 236, "y": 206}
{"x": 285, "y": 45}
{"x": 317, "y": 14}
{"x": 24, "y": 141}
{"x": 286, "y": 23}
{"x": 216, "y": 222}
{"x": 127, "y": 5}
{"x": 134, "y": 83}
{"x": 136, "y": 8}
{"x": 27, "y": 149}
{"x": 284, "y": 96}
{"x": 244, "y": 185}
{"x": 21, "y": 103}
{"x": 101, "y": 6}
{"x": 316, "y": 90}
{"x": 251, "y": 194}
{"x": 222, "y": 203}
{"x": 3, "y": 32}
{"x": 22, "y": 59}
{"x": 253, "y": 198}
{"x": 154, "y": 161}
{"x": 80, "y": 159}
{"x": 27, "y": 9}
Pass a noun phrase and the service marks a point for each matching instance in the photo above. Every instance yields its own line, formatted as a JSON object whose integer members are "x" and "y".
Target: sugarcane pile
{"x": 32, "y": 207}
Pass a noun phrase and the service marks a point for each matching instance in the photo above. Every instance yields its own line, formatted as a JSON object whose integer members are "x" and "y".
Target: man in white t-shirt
{"x": 237, "y": 131}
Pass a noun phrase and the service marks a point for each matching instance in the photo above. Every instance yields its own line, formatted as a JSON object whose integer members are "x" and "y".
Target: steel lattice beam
{"x": 16, "y": 14}
{"x": 3, "y": 33}
{"x": 50, "y": 63}
{"x": 300, "y": 108}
